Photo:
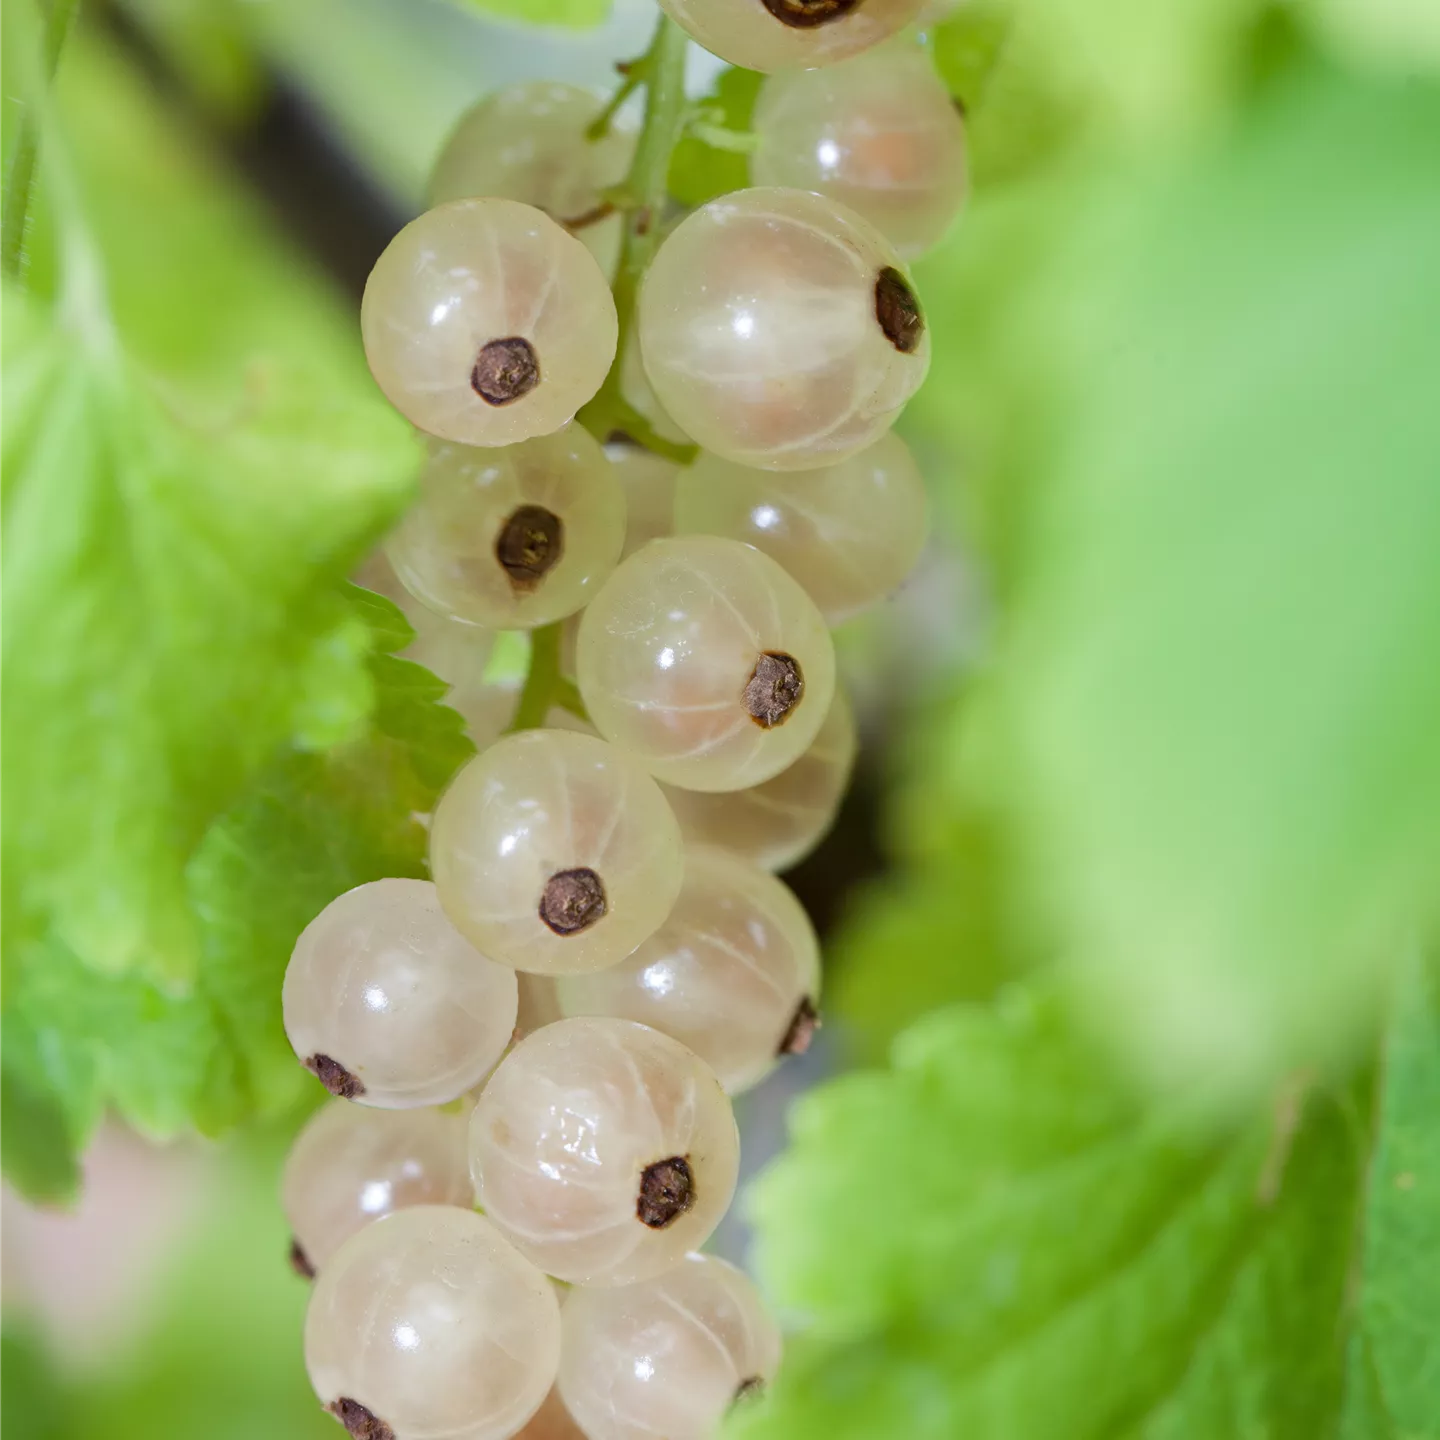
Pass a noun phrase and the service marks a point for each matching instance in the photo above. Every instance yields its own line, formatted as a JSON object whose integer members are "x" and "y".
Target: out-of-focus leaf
{"x": 998, "y": 1238}
{"x": 207, "y": 45}
{"x": 182, "y": 494}
{"x": 35, "y": 1151}
{"x": 1213, "y": 714}
{"x": 698, "y": 171}
{"x": 313, "y": 827}
{"x": 573, "y": 14}
{"x": 1403, "y": 33}
{"x": 171, "y": 618}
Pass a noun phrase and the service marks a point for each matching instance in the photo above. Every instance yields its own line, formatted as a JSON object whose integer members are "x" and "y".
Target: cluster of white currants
{"x": 603, "y": 951}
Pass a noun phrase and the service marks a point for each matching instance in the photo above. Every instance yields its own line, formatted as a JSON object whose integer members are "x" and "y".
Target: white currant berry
{"x": 780, "y": 329}
{"x": 429, "y": 1325}
{"x": 666, "y": 1356}
{"x": 705, "y": 660}
{"x": 513, "y": 537}
{"x": 636, "y": 390}
{"x": 878, "y": 133}
{"x": 733, "y": 973}
{"x": 387, "y": 1002}
{"x": 604, "y": 1149}
{"x": 527, "y": 142}
{"x": 486, "y": 323}
{"x": 778, "y": 823}
{"x": 787, "y": 34}
{"x": 850, "y": 532}
{"x": 555, "y": 852}
{"x": 351, "y": 1165}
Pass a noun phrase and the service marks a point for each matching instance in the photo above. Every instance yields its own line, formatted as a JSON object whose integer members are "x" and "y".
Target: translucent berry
{"x": 850, "y": 532}
{"x": 604, "y": 1149}
{"x": 513, "y": 537}
{"x": 555, "y": 852}
{"x": 351, "y": 1165}
{"x": 879, "y": 133}
{"x": 780, "y": 330}
{"x": 705, "y": 660}
{"x": 666, "y": 1356}
{"x": 527, "y": 142}
{"x": 787, "y": 34}
{"x": 486, "y": 323}
{"x": 733, "y": 973}
{"x": 429, "y": 1325}
{"x": 778, "y": 823}
{"x": 387, "y": 1002}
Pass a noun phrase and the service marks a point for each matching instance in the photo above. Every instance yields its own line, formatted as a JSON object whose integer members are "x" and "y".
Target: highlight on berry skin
{"x": 653, "y": 1176}
{"x": 878, "y": 133}
{"x": 666, "y": 1356}
{"x": 777, "y": 823}
{"x": 555, "y": 852}
{"x": 850, "y": 532}
{"x": 429, "y": 1323}
{"x": 780, "y": 330}
{"x": 727, "y": 974}
{"x": 389, "y": 1005}
{"x": 486, "y": 323}
{"x": 705, "y": 661}
{"x": 527, "y": 142}
{"x": 351, "y": 1165}
{"x": 770, "y": 35}
{"x": 512, "y": 537}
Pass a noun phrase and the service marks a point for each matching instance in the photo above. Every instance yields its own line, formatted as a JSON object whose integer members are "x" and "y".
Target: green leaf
{"x": 35, "y": 1151}
{"x": 314, "y": 826}
{"x": 1213, "y": 714}
{"x": 998, "y": 1238}
{"x": 1394, "y": 1372}
{"x": 699, "y": 172}
{"x": 170, "y": 617}
{"x": 572, "y": 14}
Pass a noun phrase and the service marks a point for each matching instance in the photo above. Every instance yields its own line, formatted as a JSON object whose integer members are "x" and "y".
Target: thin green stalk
{"x": 20, "y": 173}
{"x": 542, "y": 680}
{"x": 641, "y": 196}
{"x": 641, "y": 199}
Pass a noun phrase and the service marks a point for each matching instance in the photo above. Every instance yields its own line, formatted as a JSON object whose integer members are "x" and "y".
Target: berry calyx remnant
{"x": 335, "y": 1077}
{"x": 667, "y": 1191}
{"x": 573, "y": 901}
{"x": 773, "y": 689}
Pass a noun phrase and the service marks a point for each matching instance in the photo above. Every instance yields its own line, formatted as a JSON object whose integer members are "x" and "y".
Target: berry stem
{"x": 20, "y": 171}
{"x": 545, "y": 686}
{"x": 641, "y": 197}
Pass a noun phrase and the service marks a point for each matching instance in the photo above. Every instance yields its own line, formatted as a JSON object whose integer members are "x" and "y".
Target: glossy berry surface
{"x": 733, "y": 973}
{"x": 527, "y": 142}
{"x": 485, "y": 323}
{"x": 706, "y": 661}
{"x": 648, "y": 481}
{"x": 512, "y": 537}
{"x": 430, "y": 1323}
{"x": 878, "y": 133}
{"x": 351, "y": 1165}
{"x": 555, "y": 852}
{"x": 604, "y": 1149}
{"x": 389, "y": 1004}
{"x": 780, "y": 329}
{"x": 789, "y": 34}
{"x": 777, "y": 823}
{"x": 850, "y": 532}
{"x": 667, "y": 1356}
